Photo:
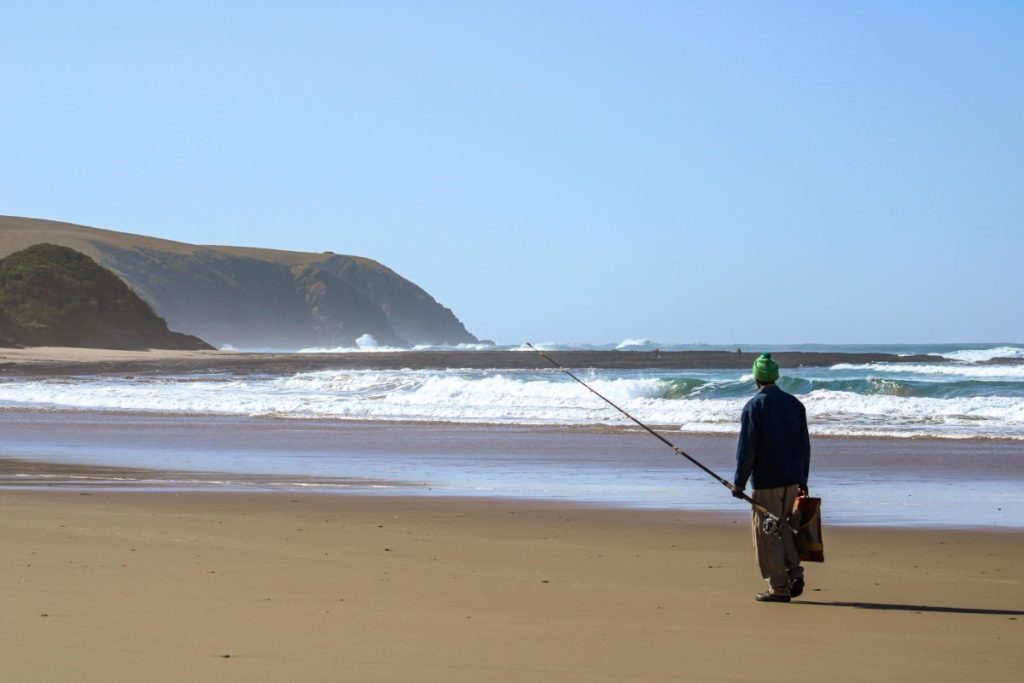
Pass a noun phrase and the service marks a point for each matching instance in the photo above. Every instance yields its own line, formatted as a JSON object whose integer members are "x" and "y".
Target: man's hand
{"x": 803, "y": 490}
{"x": 737, "y": 492}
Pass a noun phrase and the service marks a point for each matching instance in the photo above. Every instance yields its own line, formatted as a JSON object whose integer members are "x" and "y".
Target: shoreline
{"x": 51, "y": 361}
{"x": 867, "y": 482}
{"x": 87, "y": 480}
{"x": 213, "y": 586}
{"x": 568, "y": 428}
{"x": 24, "y": 474}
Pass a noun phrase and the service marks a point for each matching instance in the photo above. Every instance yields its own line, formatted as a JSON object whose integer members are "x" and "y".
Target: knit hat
{"x": 765, "y": 369}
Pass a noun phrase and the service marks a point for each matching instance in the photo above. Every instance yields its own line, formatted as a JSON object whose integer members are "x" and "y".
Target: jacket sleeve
{"x": 746, "y": 447}
{"x": 806, "y": 447}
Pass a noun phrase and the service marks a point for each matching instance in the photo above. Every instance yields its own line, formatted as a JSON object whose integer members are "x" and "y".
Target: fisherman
{"x": 774, "y": 452}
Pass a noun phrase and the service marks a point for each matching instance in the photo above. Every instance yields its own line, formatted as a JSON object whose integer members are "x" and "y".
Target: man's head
{"x": 765, "y": 370}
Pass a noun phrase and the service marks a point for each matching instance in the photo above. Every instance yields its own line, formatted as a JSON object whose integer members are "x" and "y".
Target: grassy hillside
{"x": 55, "y": 296}
{"x": 250, "y": 297}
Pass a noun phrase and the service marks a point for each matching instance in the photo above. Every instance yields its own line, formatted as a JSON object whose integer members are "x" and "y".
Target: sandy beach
{"x": 145, "y": 544}
{"x": 233, "y": 586}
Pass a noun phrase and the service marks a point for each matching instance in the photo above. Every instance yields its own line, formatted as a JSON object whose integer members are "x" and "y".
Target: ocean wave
{"x": 558, "y": 346}
{"x": 924, "y": 387}
{"x": 371, "y": 348}
{"x": 642, "y": 344}
{"x": 982, "y": 355}
{"x": 365, "y": 343}
{"x": 352, "y": 349}
{"x": 939, "y": 370}
{"x": 479, "y": 346}
{"x": 707, "y": 402}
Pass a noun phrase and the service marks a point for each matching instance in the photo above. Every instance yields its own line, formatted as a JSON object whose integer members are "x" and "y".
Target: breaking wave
{"x": 862, "y": 401}
{"x": 940, "y": 371}
{"x": 983, "y": 355}
{"x": 637, "y": 345}
{"x": 365, "y": 343}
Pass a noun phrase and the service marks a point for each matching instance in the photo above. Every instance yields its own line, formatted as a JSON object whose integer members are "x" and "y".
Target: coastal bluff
{"x": 256, "y": 298}
{"x": 55, "y": 296}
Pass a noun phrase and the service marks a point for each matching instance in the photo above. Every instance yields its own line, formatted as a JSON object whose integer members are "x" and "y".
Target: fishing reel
{"x": 771, "y": 526}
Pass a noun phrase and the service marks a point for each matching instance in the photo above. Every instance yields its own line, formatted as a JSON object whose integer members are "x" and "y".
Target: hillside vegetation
{"x": 55, "y": 296}
{"x": 257, "y": 298}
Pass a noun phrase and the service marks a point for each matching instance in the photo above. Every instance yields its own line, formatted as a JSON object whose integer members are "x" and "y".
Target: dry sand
{"x": 47, "y": 355}
{"x": 234, "y": 586}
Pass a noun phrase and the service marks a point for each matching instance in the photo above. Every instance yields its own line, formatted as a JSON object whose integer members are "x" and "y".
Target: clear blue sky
{"x": 557, "y": 171}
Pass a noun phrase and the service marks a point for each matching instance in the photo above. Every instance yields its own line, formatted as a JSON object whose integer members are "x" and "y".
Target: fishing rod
{"x": 771, "y": 523}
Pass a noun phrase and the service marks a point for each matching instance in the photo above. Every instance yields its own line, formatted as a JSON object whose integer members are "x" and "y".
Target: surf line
{"x": 771, "y": 524}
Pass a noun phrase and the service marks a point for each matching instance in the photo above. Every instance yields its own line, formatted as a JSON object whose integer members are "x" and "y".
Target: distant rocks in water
{"x": 257, "y": 298}
{"x": 55, "y": 296}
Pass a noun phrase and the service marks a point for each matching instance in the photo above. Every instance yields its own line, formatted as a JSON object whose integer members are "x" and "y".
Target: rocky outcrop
{"x": 413, "y": 314}
{"x": 339, "y": 311}
{"x": 55, "y": 296}
{"x": 257, "y": 298}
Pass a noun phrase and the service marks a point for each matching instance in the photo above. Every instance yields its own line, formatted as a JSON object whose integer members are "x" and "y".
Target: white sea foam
{"x": 636, "y": 344}
{"x": 364, "y": 343}
{"x": 352, "y": 349}
{"x": 456, "y": 347}
{"x": 941, "y": 370}
{"x": 981, "y": 355}
{"x": 513, "y": 397}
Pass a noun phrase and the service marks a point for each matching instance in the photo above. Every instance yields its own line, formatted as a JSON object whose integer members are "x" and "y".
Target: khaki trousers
{"x": 776, "y": 555}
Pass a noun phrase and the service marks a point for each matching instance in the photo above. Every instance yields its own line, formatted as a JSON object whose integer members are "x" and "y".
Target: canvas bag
{"x": 807, "y": 513}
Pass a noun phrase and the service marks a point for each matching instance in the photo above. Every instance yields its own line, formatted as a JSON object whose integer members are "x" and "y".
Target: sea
{"x": 969, "y": 392}
{"x": 941, "y": 430}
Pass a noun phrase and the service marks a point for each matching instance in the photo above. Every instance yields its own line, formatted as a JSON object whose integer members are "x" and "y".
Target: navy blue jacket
{"x": 774, "y": 445}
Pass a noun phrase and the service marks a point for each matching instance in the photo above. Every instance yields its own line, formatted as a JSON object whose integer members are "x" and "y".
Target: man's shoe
{"x": 796, "y": 587}
{"x": 768, "y": 596}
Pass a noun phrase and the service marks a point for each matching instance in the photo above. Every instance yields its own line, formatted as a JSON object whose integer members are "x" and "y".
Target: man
{"x": 774, "y": 452}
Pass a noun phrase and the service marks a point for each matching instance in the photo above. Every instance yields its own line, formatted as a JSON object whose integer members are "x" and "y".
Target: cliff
{"x": 256, "y": 298}
{"x": 55, "y": 296}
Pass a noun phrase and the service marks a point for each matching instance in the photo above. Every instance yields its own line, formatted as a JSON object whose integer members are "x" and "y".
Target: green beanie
{"x": 765, "y": 369}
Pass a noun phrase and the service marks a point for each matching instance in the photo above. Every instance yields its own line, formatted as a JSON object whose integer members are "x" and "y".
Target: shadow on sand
{"x": 913, "y": 608}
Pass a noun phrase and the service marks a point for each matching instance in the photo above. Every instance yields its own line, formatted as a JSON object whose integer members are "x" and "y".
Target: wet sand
{"x": 925, "y": 482}
{"x": 895, "y": 482}
{"x": 234, "y": 586}
{"x": 60, "y": 361}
